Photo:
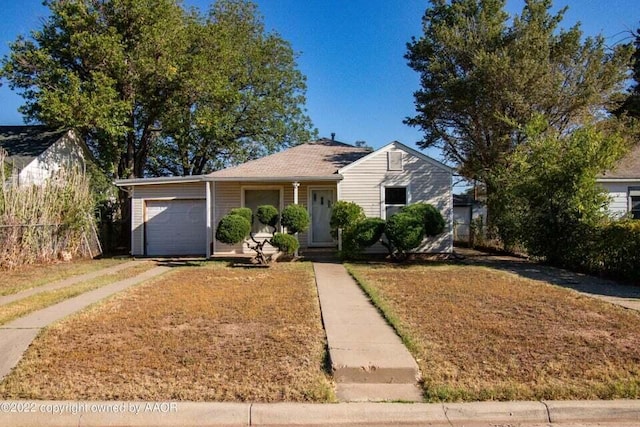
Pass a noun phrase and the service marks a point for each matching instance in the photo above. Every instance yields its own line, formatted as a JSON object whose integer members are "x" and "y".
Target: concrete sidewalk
{"x": 63, "y": 283}
{"x": 368, "y": 359}
{"x": 16, "y": 336}
{"x": 485, "y": 414}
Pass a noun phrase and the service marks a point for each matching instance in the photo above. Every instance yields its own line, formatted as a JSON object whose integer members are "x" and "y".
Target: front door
{"x": 321, "y": 204}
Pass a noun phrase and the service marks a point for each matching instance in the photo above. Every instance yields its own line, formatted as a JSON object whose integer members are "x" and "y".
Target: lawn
{"x": 31, "y": 276}
{"x": 483, "y": 334}
{"x": 208, "y": 333}
{"x": 44, "y": 299}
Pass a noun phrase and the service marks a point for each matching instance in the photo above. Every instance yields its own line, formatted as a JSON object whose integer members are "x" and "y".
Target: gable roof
{"x": 317, "y": 159}
{"x": 398, "y": 145}
{"x": 627, "y": 168}
{"x": 25, "y": 143}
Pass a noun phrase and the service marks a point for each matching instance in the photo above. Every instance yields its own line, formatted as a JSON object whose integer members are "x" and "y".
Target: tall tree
{"x": 484, "y": 77}
{"x": 242, "y": 98}
{"x": 157, "y": 89}
{"x": 631, "y": 105}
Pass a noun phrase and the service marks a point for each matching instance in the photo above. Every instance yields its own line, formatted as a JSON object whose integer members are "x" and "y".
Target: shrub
{"x": 432, "y": 218}
{"x": 405, "y": 231}
{"x": 267, "y": 215}
{"x": 295, "y": 218}
{"x": 233, "y": 228}
{"x": 286, "y": 243}
{"x": 615, "y": 250}
{"x": 345, "y": 215}
{"x": 243, "y": 212}
{"x": 368, "y": 232}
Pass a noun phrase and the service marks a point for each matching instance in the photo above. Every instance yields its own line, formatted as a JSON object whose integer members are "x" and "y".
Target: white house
{"x": 35, "y": 153}
{"x": 623, "y": 185}
{"x": 178, "y": 215}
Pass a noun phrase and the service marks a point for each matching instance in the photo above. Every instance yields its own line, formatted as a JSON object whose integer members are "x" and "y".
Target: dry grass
{"x": 482, "y": 334}
{"x": 31, "y": 276}
{"x": 44, "y": 299}
{"x": 208, "y": 333}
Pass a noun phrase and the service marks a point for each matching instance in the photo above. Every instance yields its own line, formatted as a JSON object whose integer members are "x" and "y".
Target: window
{"x": 635, "y": 207}
{"x": 394, "y": 199}
{"x": 394, "y": 160}
{"x": 255, "y": 198}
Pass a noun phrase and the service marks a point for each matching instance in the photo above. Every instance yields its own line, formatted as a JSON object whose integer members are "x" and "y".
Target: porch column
{"x": 207, "y": 186}
{"x": 295, "y": 192}
{"x": 295, "y": 202}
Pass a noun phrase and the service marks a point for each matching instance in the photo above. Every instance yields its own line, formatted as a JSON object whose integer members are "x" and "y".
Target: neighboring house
{"x": 35, "y": 153}
{"x": 623, "y": 185}
{"x": 178, "y": 215}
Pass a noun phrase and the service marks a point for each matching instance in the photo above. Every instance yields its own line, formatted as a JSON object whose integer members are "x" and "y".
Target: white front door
{"x": 321, "y": 204}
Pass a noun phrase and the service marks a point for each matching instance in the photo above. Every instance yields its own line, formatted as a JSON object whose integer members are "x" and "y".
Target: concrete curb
{"x": 137, "y": 414}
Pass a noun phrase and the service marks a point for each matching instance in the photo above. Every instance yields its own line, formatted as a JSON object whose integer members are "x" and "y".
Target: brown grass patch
{"x": 31, "y": 276}
{"x": 482, "y": 334}
{"x": 206, "y": 333}
{"x": 44, "y": 299}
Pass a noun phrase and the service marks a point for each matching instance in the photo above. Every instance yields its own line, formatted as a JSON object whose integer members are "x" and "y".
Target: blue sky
{"x": 351, "y": 51}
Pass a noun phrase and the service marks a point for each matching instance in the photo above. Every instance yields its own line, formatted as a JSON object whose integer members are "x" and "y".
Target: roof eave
{"x": 617, "y": 179}
{"x": 161, "y": 180}
{"x": 335, "y": 177}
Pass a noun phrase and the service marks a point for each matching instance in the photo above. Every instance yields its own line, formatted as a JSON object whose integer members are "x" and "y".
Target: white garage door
{"x": 175, "y": 227}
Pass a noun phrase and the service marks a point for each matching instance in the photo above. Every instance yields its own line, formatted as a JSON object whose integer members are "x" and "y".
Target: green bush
{"x": 345, "y": 215}
{"x": 295, "y": 218}
{"x": 405, "y": 231}
{"x": 233, "y": 229}
{"x": 286, "y": 243}
{"x": 243, "y": 212}
{"x": 615, "y": 250}
{"x": 432, "y": 218}
{"x": 267, "y": 215}
{"x": 368, "y": 232}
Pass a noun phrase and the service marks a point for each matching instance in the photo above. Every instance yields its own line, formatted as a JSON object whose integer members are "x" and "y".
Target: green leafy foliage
{"x": 405, "y": 231}
{"x": 548, "y": 198}
{"x": 432, "y": 218}
{"x": 295, "y": 218}
{"x": 233, "y": 229}
{"x": 286, "y": 243}
{"x": 484, "y": 75}
{"x": 267, "y": 215}
{"x": 243, "y": 212}
{"x": 155, "y": 89}
{"x": 366, "y": 233}
{"x": 345, "y": 215}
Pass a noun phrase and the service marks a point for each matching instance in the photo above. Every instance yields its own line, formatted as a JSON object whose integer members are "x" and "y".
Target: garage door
{"x": 175, "y": 227}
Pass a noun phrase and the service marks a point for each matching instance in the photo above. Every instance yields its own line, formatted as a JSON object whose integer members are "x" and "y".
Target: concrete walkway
{"x": 17, "y": 335}
{"x": 63, "y": 283}
{"x": 369, "y": 361}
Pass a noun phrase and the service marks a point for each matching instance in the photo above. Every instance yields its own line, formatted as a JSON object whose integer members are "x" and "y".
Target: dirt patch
{"x": 204, "y": 333}
{"x": 482, "y": 334}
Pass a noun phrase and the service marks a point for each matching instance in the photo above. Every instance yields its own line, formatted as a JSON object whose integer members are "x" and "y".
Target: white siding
{"x": 426, "y": 182}
{"x": 157, "y": 192}
{"x": 619, "y": 197}
{"x": 67, "y": 152}
{"x": 228, "y": 196}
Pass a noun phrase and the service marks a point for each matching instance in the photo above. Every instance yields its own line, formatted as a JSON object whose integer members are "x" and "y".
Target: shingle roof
{"x": 313, "y": 159}
{"x": 24, "y": 143}
{"x": 628, "y": 167}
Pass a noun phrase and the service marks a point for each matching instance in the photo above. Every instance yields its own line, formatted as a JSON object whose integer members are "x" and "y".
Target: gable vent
{"x": 394, "y": 160}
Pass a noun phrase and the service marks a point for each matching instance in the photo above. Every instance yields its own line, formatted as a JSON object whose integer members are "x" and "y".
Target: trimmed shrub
{"x": 286, "y": 243}
{"x": 405, "y": 231}
{"x": 368, "y": 232}
{"x": 267, "y": 215}
{"x": 232, "y": 229}
{"x": 295, "y": 218}
{"x": 432, "y": 218}
{"x": 243, "y": 212}
{"x": 615, "y": 250}
{"x": 345, "y": 215}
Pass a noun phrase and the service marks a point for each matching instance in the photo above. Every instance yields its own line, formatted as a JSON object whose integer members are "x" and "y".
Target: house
{"x": 35, "y": 153}
{"x": 178, "y": 215}
{"x": 623, "y": 185}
